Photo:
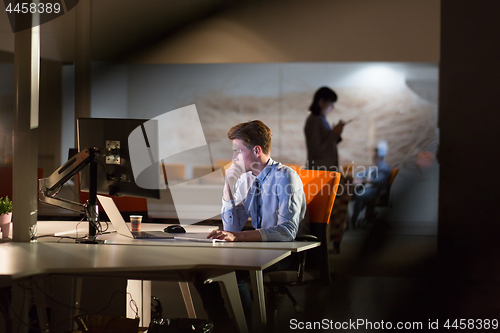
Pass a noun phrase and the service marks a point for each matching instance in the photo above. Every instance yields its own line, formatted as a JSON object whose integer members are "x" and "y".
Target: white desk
{"x": 70, "y": 229}
{"x": 25, "y": 260}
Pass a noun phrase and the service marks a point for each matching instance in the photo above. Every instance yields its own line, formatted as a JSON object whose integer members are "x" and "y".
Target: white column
{"x": 25, "y": 164}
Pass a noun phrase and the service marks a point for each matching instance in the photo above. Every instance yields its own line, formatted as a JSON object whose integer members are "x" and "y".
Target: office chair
{"x": 320, "y": 188}
{"x": 382, "y": 200}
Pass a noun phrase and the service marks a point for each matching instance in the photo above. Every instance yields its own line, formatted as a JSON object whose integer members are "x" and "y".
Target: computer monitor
{"x": 114, "y": 172}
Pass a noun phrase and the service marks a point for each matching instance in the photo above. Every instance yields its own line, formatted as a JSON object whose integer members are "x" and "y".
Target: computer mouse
{"x": 175, "y": 229}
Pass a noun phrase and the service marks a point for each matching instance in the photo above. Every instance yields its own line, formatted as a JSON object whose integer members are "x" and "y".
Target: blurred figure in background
{"x": 321, "y": 139}
{"x": 370, "y": 184}
{"x": 321, "y": 142}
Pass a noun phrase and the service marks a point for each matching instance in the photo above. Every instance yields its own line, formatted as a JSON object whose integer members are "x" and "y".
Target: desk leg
{"x": 259, "y": 303}
{"x": 229, "y": 282}
{"x": 188, "y": 301}
{"x": 140, "y": 291}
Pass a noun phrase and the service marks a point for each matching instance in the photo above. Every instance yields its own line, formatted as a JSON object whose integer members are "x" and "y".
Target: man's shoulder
{"x": 287, "y": 173}
{"x": 282, "y": 168}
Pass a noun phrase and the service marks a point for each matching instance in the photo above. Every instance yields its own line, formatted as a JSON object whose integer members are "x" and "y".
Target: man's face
{"x": 243, "y": 156}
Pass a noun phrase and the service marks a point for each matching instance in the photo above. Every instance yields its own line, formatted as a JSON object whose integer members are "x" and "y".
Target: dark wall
{"x": 50, "y": 118}
{"x": 469, "y": 221}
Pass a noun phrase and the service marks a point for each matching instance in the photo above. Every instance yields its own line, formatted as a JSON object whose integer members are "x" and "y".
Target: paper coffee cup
{"x": 135, "y": 221}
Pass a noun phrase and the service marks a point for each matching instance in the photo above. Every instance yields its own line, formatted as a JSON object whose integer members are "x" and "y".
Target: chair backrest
{"x": 320, "y": 188}
{"x": 223, "y": 164}
{"x": 200, "y": 171}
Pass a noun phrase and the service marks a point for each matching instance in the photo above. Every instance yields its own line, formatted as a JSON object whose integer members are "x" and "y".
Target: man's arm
{"x": 291, "y": 210}
{"x": 231, "y": 179}
{"x": 382, "y": 177}
{"x": 233, "y": 213}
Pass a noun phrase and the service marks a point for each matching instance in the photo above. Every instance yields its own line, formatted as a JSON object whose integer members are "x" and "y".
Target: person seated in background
{"x": 268, "y": 192}
{"x": 371, "y": 183}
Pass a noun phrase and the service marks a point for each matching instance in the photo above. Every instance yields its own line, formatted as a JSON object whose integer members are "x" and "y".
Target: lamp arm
{"x": 50, "y": 186}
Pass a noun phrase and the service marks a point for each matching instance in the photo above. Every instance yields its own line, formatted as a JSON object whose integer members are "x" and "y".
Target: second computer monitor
{"x": 114, "y": 173}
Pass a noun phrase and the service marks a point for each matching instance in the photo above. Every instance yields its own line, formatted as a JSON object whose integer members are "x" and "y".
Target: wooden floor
{"x": 387, "y": 275}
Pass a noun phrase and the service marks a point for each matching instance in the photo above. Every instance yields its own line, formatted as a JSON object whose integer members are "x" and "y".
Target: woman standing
{"x": 321, "y": 142}
{"x": 321, "y": 139}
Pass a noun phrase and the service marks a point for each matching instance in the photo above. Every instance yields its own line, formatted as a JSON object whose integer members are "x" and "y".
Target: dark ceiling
{"x": 120, "y": 28}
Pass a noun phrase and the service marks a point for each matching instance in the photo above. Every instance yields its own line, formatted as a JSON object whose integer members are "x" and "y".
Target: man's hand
{"x": 233, "y": 173}
{"x": 224, "y": 235}
{"x": 337, "y": 129}
{"x": 240, "y": 236}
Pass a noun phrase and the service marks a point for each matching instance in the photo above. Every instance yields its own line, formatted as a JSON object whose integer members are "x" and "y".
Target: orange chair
{"x": 200, "y": 171}
{"x": 320, "y": 188}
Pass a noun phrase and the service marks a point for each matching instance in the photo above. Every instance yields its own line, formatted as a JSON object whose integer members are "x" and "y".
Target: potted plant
{"x": 5, "y": 216}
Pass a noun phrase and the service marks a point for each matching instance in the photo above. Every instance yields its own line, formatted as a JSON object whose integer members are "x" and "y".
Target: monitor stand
{"x": 92, "y": 210}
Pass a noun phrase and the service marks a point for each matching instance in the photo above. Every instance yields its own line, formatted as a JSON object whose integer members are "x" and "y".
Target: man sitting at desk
{"x": 268, "y": 192}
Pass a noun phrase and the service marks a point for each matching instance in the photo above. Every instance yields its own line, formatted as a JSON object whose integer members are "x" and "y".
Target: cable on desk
{"x": 107, "y": 227}
{"x": 76, "y": 227}
{"x": 61, "y": 237}
{"x": 99, "y": 226}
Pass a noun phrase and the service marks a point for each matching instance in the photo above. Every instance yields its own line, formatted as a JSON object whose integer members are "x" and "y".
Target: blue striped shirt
{"x": 276, "y": 210}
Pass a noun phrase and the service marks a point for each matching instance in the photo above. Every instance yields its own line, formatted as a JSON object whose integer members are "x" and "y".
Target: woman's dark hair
{"x": 325, "y": 94}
